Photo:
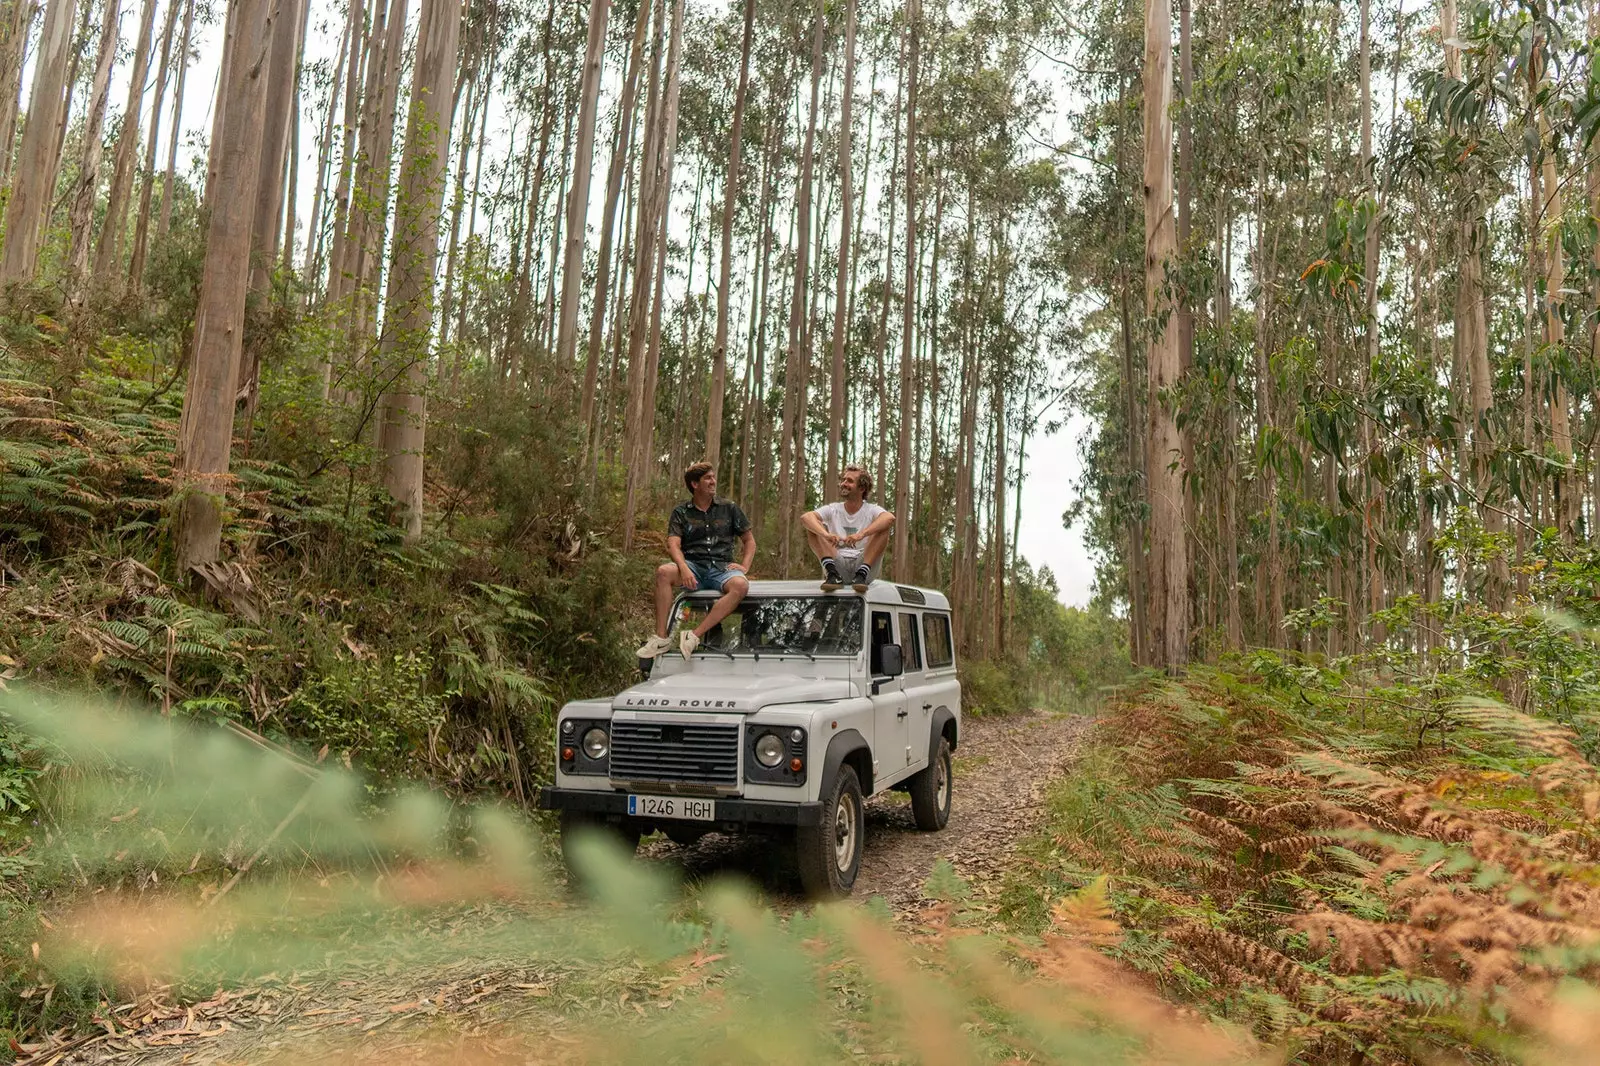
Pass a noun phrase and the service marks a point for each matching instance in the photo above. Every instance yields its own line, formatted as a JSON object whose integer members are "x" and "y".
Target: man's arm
{"x": 880, "y": 525}
{"x": 747, "y": 541}
{"x": 813, "y": 524}
{"x": 685, "y": 573}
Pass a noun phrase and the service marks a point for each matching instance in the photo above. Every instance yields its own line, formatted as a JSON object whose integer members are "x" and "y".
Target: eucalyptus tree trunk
{"x": 115, "y": 226}
{"x": 344, "y": 55}
{"x": 267, "y": 224}
{"x": 14, "y": 22}
{"x": 1550, "y": 214}
{"x": 291, "y": 193}
{"x": 354, "y": 117}
{"x": 404, "y": 348}
{"x": 31, "y": 191}
{"x": 902, "y": 474}
{"x": 791, "y": 463}
{"x": 621, "y": 152}
{"x": 837, "y": 388}
{"x": 655, "y": 196}
{"x": 578, "y": 200}
{"x": 205, "y": 432}
{"x": 169, "y": 182}
{"x": 719, "y": 354}
{"x": 88, "y": 182}
{"x": 1169, "y": 578}
{"x": 147, "y": 171}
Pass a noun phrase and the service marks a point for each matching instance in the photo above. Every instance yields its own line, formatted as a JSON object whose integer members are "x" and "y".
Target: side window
{"x": 882, "y": 633}
{"x": 936, "y": 630}
{"x": 910, "y": 643}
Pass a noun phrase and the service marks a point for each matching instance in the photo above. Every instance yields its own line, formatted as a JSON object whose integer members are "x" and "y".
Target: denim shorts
{"x": 712, "y": 576}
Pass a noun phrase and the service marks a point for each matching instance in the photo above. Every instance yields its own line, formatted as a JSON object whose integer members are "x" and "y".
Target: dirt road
{"x": 1002, "y": 767}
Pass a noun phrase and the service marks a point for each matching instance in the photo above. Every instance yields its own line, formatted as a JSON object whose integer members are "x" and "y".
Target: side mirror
{"x": 893, "y": 660}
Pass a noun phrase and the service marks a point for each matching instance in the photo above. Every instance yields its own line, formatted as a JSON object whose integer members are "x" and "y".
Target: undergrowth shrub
{"x": 1354, "y": 873}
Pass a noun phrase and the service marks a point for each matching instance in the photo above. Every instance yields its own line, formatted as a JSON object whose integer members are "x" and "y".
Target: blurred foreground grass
{"x": 191, "y": 894}
{"x": 171, "y": 862}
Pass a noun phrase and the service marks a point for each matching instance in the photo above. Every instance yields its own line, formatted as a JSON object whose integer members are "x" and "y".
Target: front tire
{"x": 930, "y": 791}
{"x": 580, "y": 824}
{"x": 830, "y": 854}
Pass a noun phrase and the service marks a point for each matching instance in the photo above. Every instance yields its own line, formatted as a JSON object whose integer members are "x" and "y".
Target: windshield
{"x": 802, "y": 625}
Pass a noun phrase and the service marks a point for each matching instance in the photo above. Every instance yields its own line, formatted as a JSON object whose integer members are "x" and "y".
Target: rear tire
{"x": 624, "y": 835}
{"x": 930, "y": 791}
{"x": 830, "y": 854}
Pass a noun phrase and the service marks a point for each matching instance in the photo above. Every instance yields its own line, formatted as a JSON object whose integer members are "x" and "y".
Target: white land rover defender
{"x": 799, "y": 705}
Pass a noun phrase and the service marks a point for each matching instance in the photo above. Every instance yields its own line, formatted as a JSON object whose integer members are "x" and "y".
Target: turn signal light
{"x": 566, "y": 754}
{"x": 795, "y": 764}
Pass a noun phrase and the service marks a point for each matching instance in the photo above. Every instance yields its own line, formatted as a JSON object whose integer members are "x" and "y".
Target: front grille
{"x": 667, "y": 751}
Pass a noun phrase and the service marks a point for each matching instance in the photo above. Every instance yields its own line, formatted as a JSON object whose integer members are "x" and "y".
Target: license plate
{"x": 698, "y": 810}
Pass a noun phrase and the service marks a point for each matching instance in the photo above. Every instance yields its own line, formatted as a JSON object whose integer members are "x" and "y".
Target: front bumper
{"x": 731, "y": 813}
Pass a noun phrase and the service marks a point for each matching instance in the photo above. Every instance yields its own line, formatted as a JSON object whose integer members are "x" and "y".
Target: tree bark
{"x": 838, "y": 383}
{"x": 88, "y": 184}
{"x": 1169, "y": 577}
{"x": 578, "y": 199}
{"x": 791, "y": 484}
{"x": 29, "y": 205}
{"x": 147, "y": 172}
{"x": 18, "y": 18}
{"x": 114, "y": 229}
{"x": 404, "y": 348}
{"x": 902, "y": 474}
{"x": 168, "y": 183}
{"x": 719, "y": 353}
{"x": 205, "y": 433}
{"x": 621, "y": 152}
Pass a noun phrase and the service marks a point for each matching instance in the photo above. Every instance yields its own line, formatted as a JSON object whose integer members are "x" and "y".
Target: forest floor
{"x": 527, "y": 1009}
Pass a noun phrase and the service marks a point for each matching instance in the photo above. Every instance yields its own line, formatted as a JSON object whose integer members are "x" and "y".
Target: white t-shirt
{"x": 835, "y": 519}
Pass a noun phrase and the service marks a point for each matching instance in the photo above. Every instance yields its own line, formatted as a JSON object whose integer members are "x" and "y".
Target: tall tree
{"x": 1169, "y": 578}
{"x": 730, "y": 204}
{"x": 902, "y": 473}
{"x": 117, "y": 199}
{"x": 88, "y": 182}
{"x": 31, "y": 187}
{"x": 205, "y": 433}
{"x": 578, "y": 198}
{"x": 414, "y": 258}
{"x": 841, "y": 299}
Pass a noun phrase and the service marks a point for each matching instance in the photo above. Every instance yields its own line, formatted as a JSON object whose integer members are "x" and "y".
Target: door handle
{"x": 927, "y": 706}
{"x": 901, "y": 714}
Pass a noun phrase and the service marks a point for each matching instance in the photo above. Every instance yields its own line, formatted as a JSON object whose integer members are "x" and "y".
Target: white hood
{"x": 741, "y": 694}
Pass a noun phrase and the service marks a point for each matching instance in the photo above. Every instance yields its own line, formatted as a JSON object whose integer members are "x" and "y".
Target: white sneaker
{"x": 688, "y": 643}
{"x": 653, "y": 647}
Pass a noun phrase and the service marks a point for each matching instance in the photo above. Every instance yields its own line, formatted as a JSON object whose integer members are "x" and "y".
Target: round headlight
{"x": 596, "y": 743}
{"x": 769, "y": 750}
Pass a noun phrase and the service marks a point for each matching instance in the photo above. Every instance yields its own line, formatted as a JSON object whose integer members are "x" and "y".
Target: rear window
{"x": 936, "y": 640}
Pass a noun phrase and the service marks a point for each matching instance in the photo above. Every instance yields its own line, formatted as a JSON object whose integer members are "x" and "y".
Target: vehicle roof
{"x": 878, "y": 592}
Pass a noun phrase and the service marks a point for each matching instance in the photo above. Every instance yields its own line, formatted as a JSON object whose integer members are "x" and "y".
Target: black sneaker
{"x": 862, "y": 579}
{"x": 831, "y": 582}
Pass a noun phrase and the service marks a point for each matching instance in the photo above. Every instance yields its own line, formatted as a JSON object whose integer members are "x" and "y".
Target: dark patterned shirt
{"x": 708, "y": 536}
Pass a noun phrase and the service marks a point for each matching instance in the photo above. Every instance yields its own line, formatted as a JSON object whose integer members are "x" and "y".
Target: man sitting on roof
{"x": 700, "y": 539}
{"x": 850, "y": 535}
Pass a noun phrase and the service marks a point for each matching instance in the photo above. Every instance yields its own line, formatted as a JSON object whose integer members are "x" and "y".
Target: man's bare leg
{"x": 820, "y": 546}
{"x": 733, "y": 591}
{"x": 872, "y": 549}
{"x": 666, "y": 581}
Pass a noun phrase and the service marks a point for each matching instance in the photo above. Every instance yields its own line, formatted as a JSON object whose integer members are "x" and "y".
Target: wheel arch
{"x": 847, "y": 748}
